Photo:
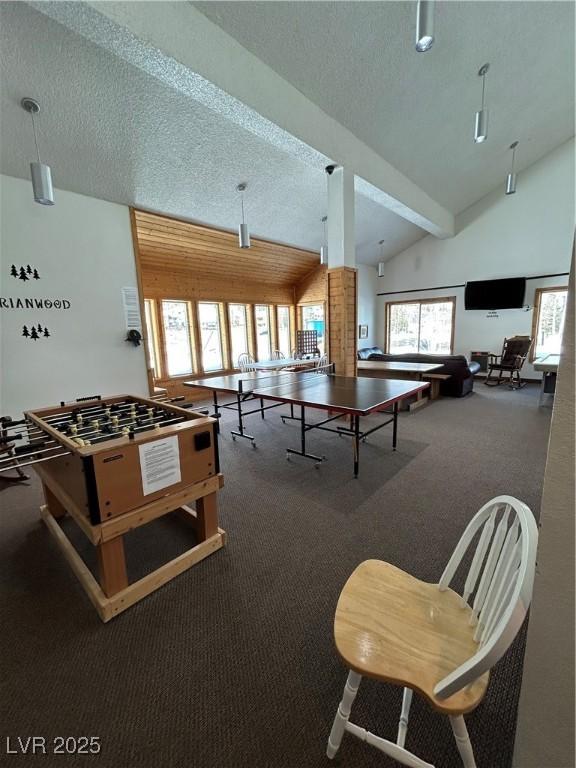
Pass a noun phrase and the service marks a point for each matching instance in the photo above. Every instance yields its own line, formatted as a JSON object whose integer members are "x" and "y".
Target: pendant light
{"x": 511, "y": 179}
{"x": 324, "y": 246}
{"x": 381, "y": 263}
{"x": 41, "y": 174}
{"x": 243, "y": 233}
{"x": 481, "y": 122}
{"x": 424, "y": 25}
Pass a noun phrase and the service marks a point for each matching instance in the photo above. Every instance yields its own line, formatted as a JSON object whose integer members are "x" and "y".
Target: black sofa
{"x": 461, "y": 372}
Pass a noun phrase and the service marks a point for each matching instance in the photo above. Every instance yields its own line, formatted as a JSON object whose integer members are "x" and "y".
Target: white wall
{"x": 367, "y": 289}
{"x": 529, "y": 233}
{"x": 82, "y": 249}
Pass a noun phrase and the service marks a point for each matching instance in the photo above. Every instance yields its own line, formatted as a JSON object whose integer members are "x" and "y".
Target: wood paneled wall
{"x": 179, "y": 260}
{"x": 166, "y": 243}
{"x": 169, "y": 283}
{"x": 313, "y": 288}
{"x": 342, "y": 319}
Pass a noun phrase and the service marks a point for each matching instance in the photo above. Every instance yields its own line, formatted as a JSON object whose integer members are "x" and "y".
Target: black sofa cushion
{"x": 461, "y": 373}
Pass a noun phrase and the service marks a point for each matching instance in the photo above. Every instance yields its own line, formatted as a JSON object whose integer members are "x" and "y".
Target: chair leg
{"x": 463, "y": 741}
{"x": 405, "y": 714}
{"x": 343, "y": 713}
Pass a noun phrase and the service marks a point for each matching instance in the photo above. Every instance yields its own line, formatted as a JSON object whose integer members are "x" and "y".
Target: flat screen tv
{"x": 495, "y": 294}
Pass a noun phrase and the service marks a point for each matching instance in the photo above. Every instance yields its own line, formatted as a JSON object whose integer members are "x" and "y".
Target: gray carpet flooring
{"x": 232, "y": 664}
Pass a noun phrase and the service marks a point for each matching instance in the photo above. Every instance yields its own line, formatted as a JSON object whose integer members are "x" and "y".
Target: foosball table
{"x": 114, "y": 464}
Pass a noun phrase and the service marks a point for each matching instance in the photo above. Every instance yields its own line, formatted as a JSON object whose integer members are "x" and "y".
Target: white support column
{"x": 341, "y": 230}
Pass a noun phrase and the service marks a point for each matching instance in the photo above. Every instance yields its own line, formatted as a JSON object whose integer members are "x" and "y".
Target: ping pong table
{"x": 319, "y": 389}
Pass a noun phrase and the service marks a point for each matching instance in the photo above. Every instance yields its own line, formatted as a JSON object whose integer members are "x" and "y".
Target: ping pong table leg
{"x": 261, "y": 408}
{"x": 302, "y": 452}
{"x": 356, "y": 443}
{"x": 216, "y": 410}
{"x": 240, "y": 432}
{"x": 395, "y": 426}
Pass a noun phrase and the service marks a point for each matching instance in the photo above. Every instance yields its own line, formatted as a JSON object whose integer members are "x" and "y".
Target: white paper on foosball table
{"x": 159, "y": 464}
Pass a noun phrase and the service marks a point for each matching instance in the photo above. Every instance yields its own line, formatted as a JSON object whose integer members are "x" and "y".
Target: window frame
{"x": 152, "y": 339}
{"x": 191, "y": 338}
{"x": 288, "y": 351}
{"x": 420, "y": 302}
{"x": 271, "y": 333}
{"x": 538, "y": 293}
{"x": 249, "y": 323}
{"x": 221, "y": 336}
{"x": 161, "y": 374}
{"x": 300, "y": 319}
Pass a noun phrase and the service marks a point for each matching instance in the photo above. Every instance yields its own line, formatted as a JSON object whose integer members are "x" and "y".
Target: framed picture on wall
{"x": 362, "y": 331}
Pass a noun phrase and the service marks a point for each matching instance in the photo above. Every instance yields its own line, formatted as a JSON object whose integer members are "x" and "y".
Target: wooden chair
{"x": 278, "y": 355}
{"x": 515, "y": 350}
{"x": 245, "y": 361}
{"x": 427, "y": 638}
{"x": 321, "y": 362}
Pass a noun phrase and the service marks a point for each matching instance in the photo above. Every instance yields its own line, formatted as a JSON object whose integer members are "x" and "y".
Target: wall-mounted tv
{"x": 495, "y": 294}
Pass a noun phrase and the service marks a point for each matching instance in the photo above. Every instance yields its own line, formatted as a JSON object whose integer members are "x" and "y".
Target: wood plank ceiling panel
{"x": 170, "y": 244}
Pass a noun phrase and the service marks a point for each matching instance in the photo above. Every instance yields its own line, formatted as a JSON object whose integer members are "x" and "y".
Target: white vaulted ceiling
{"x": 119, "y": 132}
{"x": 356, "y": 60}
{"x": 113, "y": 132}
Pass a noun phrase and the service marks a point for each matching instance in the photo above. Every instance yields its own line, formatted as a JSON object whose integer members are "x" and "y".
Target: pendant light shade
{"x": 481, "y": 121}
{"x": 42, "y": 183}
{"x": 243, "y": 232}
{"x": 243, "y": 236}
{"x": 381, "y": 263}
{"x": 39, "y": 171}
{"x": 424, "y": 25}
{"x": 324, "y": 246}
{"x": 511, "y": 178}
{"x": 481, "y": 126}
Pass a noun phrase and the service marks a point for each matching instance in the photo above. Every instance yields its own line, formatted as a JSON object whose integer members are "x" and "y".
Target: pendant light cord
{"x": 242, "y": 204}
{"x": 483, "y": 88}
{"x": 35, "y": 137}
{"x": 513, "y": 158}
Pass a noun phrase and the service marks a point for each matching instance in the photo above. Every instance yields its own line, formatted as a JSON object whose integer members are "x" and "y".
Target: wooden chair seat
{"x": 393, "y": 627}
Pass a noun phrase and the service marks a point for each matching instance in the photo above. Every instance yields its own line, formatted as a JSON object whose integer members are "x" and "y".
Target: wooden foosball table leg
{"x": 207, "y": 516}
{"x": 56, "y": 509}
{"x": 112, "y": 566}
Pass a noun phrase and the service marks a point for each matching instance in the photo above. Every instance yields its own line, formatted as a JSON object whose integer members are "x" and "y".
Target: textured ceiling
{"x": 113, "y": 132}
{"x": 356, "y": 60}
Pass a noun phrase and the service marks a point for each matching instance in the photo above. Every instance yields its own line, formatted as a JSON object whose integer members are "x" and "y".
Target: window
{"x": 151, "y": 336}
{"x": 238, "y": 331}
{"x": 284, "y": 339}
{"x": 262, "y": 318}
{"x": 548, "y": 321}
{"x": 425, "y": 326}
{"x": 313, "y": 320}
{"x": 210, "y": 336}
{"x": 176, "y": 324}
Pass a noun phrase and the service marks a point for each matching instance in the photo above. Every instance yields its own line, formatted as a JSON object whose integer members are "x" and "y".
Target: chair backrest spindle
{"x": 503, "y": 567}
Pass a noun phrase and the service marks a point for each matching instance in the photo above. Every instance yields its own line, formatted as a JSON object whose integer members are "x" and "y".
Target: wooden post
{"x": 207, "y": 516}
{"x": 342, "y": 319}
{"x": 112, "y": 565}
